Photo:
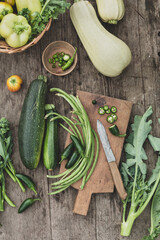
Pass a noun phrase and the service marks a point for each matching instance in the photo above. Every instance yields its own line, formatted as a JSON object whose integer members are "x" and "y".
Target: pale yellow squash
{"x": 109, "y": 54}
{"x": 111, "y": 11}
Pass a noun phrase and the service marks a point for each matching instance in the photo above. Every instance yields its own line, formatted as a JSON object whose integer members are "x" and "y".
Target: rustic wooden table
{"x": 52, "y": 218}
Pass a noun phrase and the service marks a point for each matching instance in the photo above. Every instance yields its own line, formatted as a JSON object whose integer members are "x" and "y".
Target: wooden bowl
{"x": 53, "y": 48}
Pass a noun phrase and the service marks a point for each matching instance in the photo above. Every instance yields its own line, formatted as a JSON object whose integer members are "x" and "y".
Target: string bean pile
{"x": 79, "y": 127}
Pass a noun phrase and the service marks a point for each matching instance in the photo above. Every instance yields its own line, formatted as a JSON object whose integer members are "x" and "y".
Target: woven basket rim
{"x": 5, "y": 48}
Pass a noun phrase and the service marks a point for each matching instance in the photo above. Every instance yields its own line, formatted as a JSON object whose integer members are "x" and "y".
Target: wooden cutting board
{"x": 101, "y": 180}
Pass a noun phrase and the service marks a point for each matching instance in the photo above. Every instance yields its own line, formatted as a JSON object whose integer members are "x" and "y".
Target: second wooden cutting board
{"x": 101, "y": 180}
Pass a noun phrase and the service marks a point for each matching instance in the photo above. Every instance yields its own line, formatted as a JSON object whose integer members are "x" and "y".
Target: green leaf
{"x": 155, "y": 173}
{"x": 155, "y": 214}
{"x": 155, "y": 142}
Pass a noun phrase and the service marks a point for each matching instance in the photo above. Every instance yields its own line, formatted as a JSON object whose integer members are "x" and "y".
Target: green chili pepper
{"x": 108, "y": 111}
{"x": 77, "y": 145}
{"x": 110, "y": 119}
{"x": 114, "y": 116}
{"x": 113, "y": 109}
{"x": 94, "y": 102}
{"x": 101, "y": 111}
{"x": 70, "y": 61}
{"x": 106, "y": 107}
{"x": 67, "y": 152}
{"x": 53, "y": 66}
{"x": 50, "y": 60}
{"x": 27, "y": 203}
{"x": 72, "y": 160}
{"x": 55, "y": 56}
{"x": 115, "y": 131}
{"x": 28, "y": 181}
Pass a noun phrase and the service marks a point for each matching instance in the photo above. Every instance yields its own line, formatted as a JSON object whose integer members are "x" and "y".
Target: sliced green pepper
{"x": 110, "y": 119}
{"x": 113, "y": 109}
{"x": 108, "y": 111}
{"x": 101, "y": 111}
{"x": 106, "y": 107}
{"x": 114, "y": 116}
{"x": 115, "y": 131}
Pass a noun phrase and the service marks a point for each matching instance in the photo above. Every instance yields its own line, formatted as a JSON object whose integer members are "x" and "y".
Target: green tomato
{"x": 5, "y": 8}
{"x": 15, "y": 29}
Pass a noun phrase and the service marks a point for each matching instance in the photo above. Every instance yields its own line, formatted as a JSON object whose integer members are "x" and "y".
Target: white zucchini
{"x": 111, "y": 11}
{"x": 108, "y": 54}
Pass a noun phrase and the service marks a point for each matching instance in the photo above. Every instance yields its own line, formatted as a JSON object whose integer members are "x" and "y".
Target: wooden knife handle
{"x": 118, "y": 180}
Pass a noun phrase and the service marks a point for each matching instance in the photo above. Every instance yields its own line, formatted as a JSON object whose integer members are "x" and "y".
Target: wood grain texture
{"x": 52, "y": 218}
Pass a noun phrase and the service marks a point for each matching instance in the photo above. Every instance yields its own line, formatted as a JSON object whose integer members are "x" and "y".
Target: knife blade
{"x": 111, "y": 160}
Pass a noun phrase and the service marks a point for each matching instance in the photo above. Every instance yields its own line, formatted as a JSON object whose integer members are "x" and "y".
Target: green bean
{"x": 87, "y": 137}
{"x": 94, "y": 163}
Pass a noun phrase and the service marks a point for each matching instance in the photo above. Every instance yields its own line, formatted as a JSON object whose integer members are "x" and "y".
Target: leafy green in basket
{"x": 50, "y": 9}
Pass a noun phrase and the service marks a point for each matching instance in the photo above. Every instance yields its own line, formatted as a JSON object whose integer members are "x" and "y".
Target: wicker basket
{"x": 4, "y": 48}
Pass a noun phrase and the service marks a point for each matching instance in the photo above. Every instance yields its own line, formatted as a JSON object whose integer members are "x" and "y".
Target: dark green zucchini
{"x": 50, "y": 148}
{"x": 32, "y": 123}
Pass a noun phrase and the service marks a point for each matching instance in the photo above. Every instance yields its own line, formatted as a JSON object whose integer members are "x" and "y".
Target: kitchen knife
{"x": 111, "y": 160}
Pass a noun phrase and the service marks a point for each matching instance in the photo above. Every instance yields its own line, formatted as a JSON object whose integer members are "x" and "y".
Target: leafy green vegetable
{"x": 140, "y": 191}
{"x": 50, "y": 9}
{"x": 154, "y": 231}
{"x": 6, "y": 145}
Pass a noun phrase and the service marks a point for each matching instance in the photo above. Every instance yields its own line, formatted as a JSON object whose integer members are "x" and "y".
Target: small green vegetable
{"x": 114, "y": 116}
{"x": 27, "y": 203}
{"x": 72, "y": 160}
{"x": 94, "y": 102}
{"x": 113, "y": 109}
{"x": 108, "y": 111}
{"x": 115, "y": 131}
{"x": 101, "y": 111}
{"x": 106, "y": 107}
{"x": 77, "y": 145}
{"x": 67, "y": 152}
{"x": 66, "y": 57}
{"x": 70, "y": 61}
{"x": 55, "y": 56}
{"x": 110, "y": 119}
{"x": 28, "y": 181}
{"x": 50, "y": 60}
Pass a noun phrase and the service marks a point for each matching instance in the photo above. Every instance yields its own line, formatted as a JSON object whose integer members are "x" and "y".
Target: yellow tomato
{"x": 14, "y": 83}
{"x": 11, "y": 2}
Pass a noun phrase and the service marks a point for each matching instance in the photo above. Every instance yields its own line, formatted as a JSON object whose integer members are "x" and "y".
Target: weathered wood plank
{"x": 52, "y": 218}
